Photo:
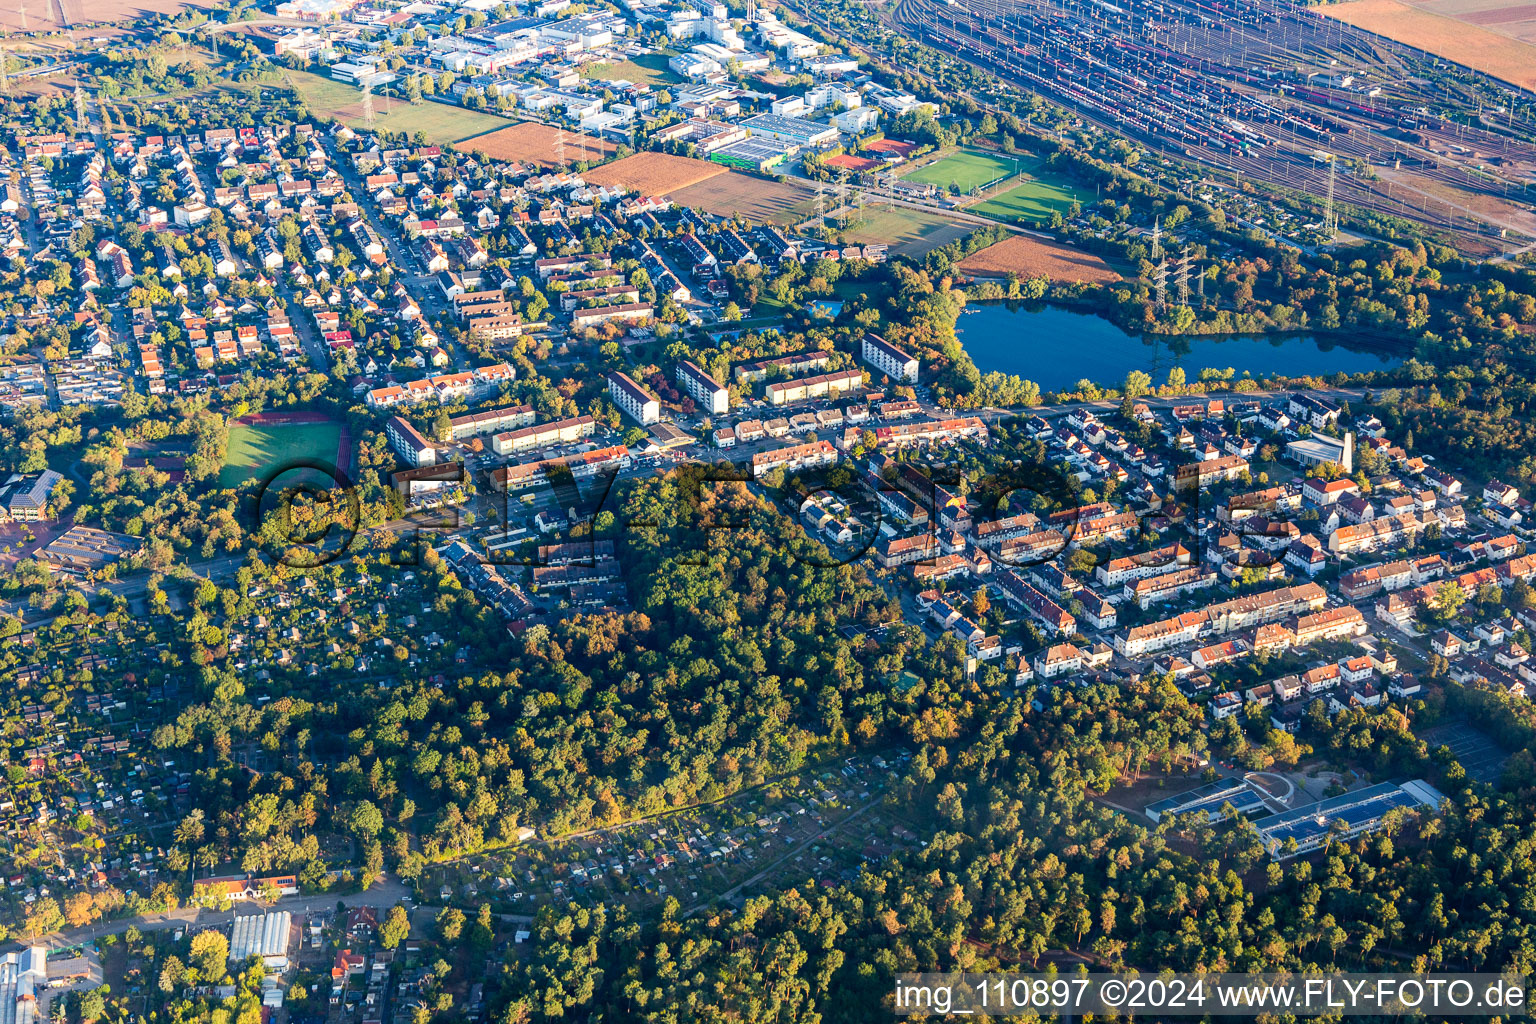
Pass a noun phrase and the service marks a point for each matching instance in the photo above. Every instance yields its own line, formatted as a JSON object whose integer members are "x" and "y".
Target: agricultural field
{"x": 654, "y": 174}
{"x": 533, "y": 143}
{"x": 647, "y": 68}
{"x": 257, "y": 448}
{"x": 46, "y": 16}
{"x": 908, "y": 232}
{"x": 1492, "y": 39}
{"x": 1039, "y": 194}
{"x": 757, "y": 199}
{"x": 1032, "y": 257}
{"x": 966, "y": 169}
{"x": 441, "y": 123}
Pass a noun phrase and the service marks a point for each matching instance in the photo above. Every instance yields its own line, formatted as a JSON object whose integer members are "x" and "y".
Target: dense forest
{"x": 1025, "y": 862}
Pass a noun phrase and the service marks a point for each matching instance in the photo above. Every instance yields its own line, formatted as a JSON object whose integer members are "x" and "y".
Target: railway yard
{"x": 1269, "y": 92}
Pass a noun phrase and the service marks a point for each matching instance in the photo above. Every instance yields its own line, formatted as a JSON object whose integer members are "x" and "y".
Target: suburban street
{"x": 382, "y": 894}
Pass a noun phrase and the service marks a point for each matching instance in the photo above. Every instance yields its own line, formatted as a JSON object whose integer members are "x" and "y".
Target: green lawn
{"x": 1041, "y": 194}
{"x": 648, "y": 68}
{"x": 257, "y": 449}
{"x": 441, "y": 123}
{"x": 967, "y": 168}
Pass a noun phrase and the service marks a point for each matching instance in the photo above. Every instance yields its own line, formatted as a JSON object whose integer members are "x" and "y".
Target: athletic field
{"x": 257, "y": 449}
{"x": 966, "y": 169}
{"x": 1033, "y": 200}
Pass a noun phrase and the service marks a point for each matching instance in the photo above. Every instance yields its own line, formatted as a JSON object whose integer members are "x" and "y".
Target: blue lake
{"x": 1056, "y": 348}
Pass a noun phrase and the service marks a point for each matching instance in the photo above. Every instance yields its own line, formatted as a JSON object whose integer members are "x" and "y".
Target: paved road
{"x": 381, "y": 894}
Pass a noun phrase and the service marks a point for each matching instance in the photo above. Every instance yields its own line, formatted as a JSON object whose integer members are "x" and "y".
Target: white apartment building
{"x": 889, "y": 360}
{"x": 704, "y": 389}
{"x": 636, "y": 402}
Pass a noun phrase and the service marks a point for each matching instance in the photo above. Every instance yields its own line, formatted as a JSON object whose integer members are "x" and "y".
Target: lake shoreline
{"x": 1057, "y": 344}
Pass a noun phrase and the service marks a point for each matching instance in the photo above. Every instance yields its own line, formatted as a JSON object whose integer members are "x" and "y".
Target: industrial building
{"x": 22, "y": 975}
{"x": 263, "y": 935}
{"x": 756, "y": 154}
{"x": 795, "y": 130}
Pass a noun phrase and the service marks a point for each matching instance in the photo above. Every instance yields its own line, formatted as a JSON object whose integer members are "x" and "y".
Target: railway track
{"x": 1207, "y": 80}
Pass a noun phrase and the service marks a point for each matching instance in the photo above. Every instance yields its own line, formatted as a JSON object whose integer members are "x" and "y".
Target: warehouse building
{"x": 22, "y": 975}
{"x": 795, "y": 130}
{"x": 757, "y": 154}
{"x": 263, "y": 935}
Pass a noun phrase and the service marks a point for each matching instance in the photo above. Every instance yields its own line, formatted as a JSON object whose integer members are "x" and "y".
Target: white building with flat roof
{"x": 895, "y": 363}
{"x": 636, "y": 402}
{"x": 409, "y": 444}
{"x": 704, "y": 389}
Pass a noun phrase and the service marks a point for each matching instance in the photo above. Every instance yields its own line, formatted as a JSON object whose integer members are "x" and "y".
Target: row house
{"x": 1032, "y": 548}
{"x": 798, "y": 362}
{"x": 1378, "y": 533}
{"x": 1226, "y": 617}
{"x": 1222, "y": 653}
{"x": 604, "y": 296}
{"x": 1326, "y": 493}
{"x": 1169, "y": 586}
{"x": 543, "y": 435}
{"x": 603, "y": 314}
{"x": 1118, "y": 571}
{"x": 967, "y": 428}
{"x": 1020, "y": 594}
{"x": 577, "y": 467}
{"x": 1209, "y": 472}
{"x": 794, "y": 458}
{"x": 990, "y": 535}
{"x": 1332, "y": 624}
{"x": 491, "y": 421}
{"x": 894, "y": 551}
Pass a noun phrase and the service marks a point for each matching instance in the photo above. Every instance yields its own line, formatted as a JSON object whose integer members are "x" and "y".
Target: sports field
{"x": 908, "y": 232}
{"x": 1034, "y": 200}
{"x": 965, "y": 169}
{"x": 257, "y": 449}
{"x": 442, "y": 124}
